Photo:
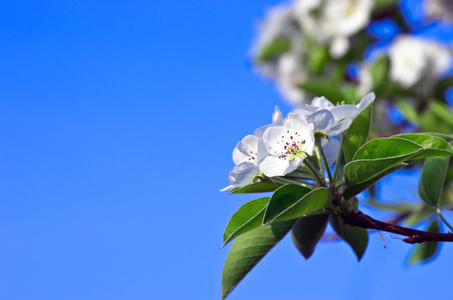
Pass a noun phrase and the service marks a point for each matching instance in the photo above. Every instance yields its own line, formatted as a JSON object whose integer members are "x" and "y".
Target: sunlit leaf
{"x": 357, "y": 133}
{"x": 292, "y": 201}
{"x": 248, "y": 249}
{"x": 249, "y": 216}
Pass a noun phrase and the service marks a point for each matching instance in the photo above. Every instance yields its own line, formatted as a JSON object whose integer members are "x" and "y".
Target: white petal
{"x": 321, "y": 102}
{"x": 301, "y": 112}
{"x": 322, "y": 120}
{"x": 365, "y": 101}
{"x": 277, "y": 117}
{"x": 260, "y": 131}
{"x": 227, "y": 189}
{"x": 247, "y": 150}
{"x": 309, "y": 137}
{"x": 331, "y": 151}
{"x": 275, "y": 166}
{"x": 341, "y": 112}
{"x": 274, "y": 140}
{"x": 339, "y": 128}
{"x": 243, "y": 174}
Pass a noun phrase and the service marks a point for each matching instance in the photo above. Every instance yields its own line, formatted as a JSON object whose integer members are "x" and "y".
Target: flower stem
{"x": 331, "y": 181}
{"x": 340, "y": 153}
{"x": 318, "y": 154}
{"x": 314, "y": 173}
{"x": 442, "y": 217}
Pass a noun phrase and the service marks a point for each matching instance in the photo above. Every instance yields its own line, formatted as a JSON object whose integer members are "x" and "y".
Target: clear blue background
{"x": 117, "y": 122}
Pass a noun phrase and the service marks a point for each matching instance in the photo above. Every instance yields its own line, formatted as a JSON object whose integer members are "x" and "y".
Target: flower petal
{"x": 273, "y": 140}
{"x": 365, "y": 101}
{"x": 243, "y": 174}
{"x": 340, "y": 127}
{"x": 277, "y": 117}
{"x": 346, "y": 111}
{"x": 331, "y": 151}
{"x": 246, "y": 150}
{"x": 321, "y": 103}
{"x": 276, "y": 166}
{"x": 322, "y": 120}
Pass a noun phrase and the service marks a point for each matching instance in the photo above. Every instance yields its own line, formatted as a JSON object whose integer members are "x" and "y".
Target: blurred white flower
{"x": 332, "y": 22}
{"x": 413, "y": 58}
{"x": 439, "y": 9}
{"x": 288, "y": 67}
{"x": 365, "y": 81}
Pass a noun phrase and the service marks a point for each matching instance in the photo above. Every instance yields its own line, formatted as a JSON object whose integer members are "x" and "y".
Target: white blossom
{"x": 247, "y": 155}
{"x": 287, "y": 145}
{"x": 332, "y": 22}
{"x": 331, "y": 119}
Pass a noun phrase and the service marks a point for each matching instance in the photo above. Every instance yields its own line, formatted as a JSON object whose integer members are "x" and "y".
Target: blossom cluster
{"x": 331, "y": 23}
{"x": 280, "y": 148}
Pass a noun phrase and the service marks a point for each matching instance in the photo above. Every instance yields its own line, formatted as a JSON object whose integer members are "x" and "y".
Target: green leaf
{"x": 318, "y": 59}
{"x": 249, "y": 216}
{"x": 357, "y": 133}
{"x": 446, "y": 137}
{"x": 378, "y": 156}
{"x": 442, "y": 111}
{"x": 434, "y": 146}
{"x": 356, "y": 237}
{"x": 322, "y": 88}
{"x": 352, "y": 190}
{"x": 419, "y": 215}
{"x": 273, "y": 49}
{"x": 381, "y": 155}
{"x": 258, "y": 187}
{"x": 293, "y": 201}
{"x": 379, "y": 73}
{"x": 408, "y": 110}
{"x": 426, "y": 250}
{"x": 307, "y": 232}
{"x": 248, "y": 249}
{"x": 432, "y": 180}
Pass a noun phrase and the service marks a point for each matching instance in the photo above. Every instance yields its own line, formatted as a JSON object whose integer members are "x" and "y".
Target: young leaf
{"x": 258, "y": 187}
{"x": 319, "y": 87}
{"x": 307, "y": 232}
{"x": 248, "y": 217}
{"x": 292, "y": 201}
{"x": 378, "y": 156}
{"x": 432, "y": 179}
{"x": 248, "y": 249}
{"x": 379, "y": 73}
{"x": 274, "y": 49}
{"x": 356, "y": 237}
{"x": 426, "y": 250}
{"x": 352, "y": 190}
{"x": 434, "y": 146}
{"x": 357, "y": 133}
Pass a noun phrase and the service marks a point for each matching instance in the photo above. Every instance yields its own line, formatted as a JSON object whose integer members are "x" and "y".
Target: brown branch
{"x": 413, "y": 236}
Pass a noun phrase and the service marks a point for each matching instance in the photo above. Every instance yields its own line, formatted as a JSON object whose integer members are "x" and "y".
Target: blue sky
{"x": 117, "y": 122}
